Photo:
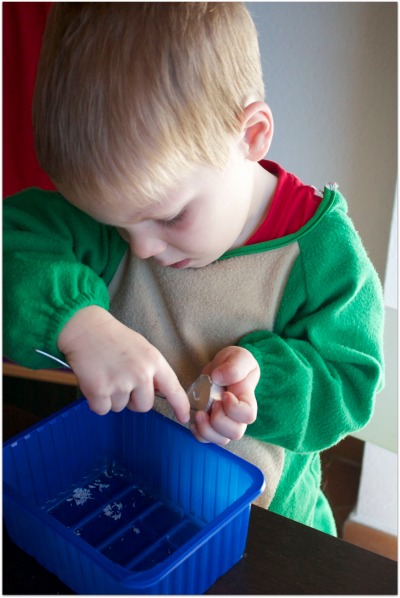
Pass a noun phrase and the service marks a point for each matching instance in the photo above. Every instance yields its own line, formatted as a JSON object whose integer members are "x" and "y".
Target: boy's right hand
{"x": 116, "y": 367}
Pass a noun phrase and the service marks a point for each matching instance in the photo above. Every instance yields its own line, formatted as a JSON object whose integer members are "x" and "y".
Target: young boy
{"x": 173, "y": 248}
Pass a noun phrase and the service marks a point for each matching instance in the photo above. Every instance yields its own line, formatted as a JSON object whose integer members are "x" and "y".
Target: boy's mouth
{"x": 182, "y": 264}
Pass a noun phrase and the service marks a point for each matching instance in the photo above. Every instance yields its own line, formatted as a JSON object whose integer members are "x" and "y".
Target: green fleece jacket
{"x": 320, "y": 350}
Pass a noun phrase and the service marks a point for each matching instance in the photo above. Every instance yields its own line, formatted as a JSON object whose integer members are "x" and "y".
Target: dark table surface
{"x": 281, "y": 557}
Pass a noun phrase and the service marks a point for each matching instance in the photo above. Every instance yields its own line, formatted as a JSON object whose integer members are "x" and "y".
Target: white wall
{"x": 391, "y": 277}
{"x": 377, "y": 497}
{"x": 330, "y": 70}
{"x": 331, "y": 81}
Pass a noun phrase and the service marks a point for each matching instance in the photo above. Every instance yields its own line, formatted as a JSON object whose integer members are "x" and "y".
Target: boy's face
{"x": 207, "y": 213}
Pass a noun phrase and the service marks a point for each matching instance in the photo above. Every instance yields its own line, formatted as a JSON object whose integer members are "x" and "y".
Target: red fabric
{"x": 291, "y": 208}
{"x": 23, "y": 26}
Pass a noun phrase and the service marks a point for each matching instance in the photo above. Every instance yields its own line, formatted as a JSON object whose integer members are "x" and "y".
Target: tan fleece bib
{"x": 190, "y": 314}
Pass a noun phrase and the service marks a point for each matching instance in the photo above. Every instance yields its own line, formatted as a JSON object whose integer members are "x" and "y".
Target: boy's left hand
{"x": 237, "y": 370}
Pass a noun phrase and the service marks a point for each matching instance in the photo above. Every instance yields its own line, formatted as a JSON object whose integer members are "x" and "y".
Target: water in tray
{"x": 115, "y": 515}
{"x": 124, "y": 521}
{"x": 89, "y": 496}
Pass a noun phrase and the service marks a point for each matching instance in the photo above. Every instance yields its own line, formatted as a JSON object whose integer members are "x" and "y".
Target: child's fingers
{"x": 119, "y": 401}
{"x": 100, "y": 405}
{"x": 217, "y": 427}
{"x": 224, "y": 424}
{"x": 98, "y": 394}
{"x": 231, "y": 365}
{"x": 167, "y": 383}
{"x": 239, "y": 401}
{"x": 204, "y": 432}
{"x": 141, "y": 398}
{"x": 240, "y": 406}
{"x": 233, "y": 370}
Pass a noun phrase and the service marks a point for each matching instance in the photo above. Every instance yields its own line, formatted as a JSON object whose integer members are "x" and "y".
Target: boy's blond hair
{"x": 129, "y": 95}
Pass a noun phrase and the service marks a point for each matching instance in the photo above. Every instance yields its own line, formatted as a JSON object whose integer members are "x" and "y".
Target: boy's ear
{"x": 258, "y": 129}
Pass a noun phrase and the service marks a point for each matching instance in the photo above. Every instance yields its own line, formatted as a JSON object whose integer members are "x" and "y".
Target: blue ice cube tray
{"x": 126, "y": 503}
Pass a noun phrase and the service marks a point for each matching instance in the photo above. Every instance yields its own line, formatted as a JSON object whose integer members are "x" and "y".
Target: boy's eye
{"x": 175, "y": 220}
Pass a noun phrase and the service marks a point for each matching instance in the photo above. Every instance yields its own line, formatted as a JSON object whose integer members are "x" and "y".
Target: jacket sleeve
{"x": 56, "y": 260}
{"x": 323, "y": 363}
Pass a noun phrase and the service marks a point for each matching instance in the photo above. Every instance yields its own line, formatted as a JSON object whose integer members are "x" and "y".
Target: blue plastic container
{"x": 126, "y": 503}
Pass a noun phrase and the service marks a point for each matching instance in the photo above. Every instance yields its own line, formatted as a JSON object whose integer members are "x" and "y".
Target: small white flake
{"x": 136, "y": 530}
{"x": 113, "y": 511}
{"x": 99, "y": 485}
{"x": 80, "y": 496}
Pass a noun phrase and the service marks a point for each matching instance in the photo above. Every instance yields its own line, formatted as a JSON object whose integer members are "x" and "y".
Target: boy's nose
{"x": 144, "y": 245}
